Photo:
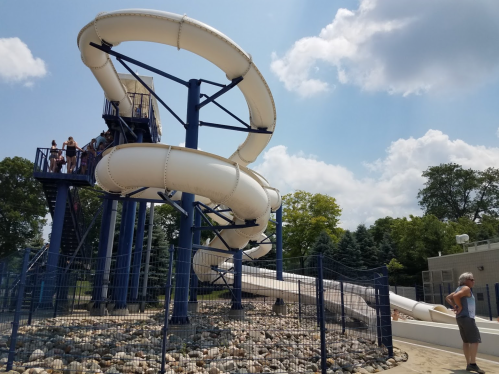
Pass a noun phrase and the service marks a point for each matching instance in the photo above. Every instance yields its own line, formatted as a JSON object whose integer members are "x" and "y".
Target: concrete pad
{"x": 444, "y": 334}
{"x": 435, "y": 359}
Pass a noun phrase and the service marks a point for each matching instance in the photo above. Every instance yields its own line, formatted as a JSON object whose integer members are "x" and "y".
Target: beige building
{"x": 481, "y": 259}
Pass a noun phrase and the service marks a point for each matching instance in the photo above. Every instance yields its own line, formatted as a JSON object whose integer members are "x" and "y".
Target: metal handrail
{"x": 42, "y": 163}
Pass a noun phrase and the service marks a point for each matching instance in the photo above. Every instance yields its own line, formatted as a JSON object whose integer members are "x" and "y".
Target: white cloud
{"x": 397, "y": 178}
{"x": 399, "y": 46}
{"x": 17, "y": 63}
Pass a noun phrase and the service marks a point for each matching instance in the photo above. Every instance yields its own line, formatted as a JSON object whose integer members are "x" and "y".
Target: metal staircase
{"x": 74, "y": 221}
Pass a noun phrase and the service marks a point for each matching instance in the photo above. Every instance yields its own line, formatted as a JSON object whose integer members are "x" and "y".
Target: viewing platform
{"x": 144, "y": 116}
{"x": 46, "y": 170}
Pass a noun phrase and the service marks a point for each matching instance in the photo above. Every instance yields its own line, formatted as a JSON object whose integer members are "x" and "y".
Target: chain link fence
{"x": 320, "y": 318}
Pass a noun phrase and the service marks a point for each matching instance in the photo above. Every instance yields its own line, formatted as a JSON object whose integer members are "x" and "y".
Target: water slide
{"x": 213, "y": 179}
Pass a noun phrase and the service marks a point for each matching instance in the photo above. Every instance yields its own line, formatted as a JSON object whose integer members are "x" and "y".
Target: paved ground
{"x": 434, "y": 359}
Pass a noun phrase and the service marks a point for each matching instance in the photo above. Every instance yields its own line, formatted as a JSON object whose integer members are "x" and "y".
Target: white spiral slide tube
{"x": 126, "y": 168}
{"x": 214, "y": 179}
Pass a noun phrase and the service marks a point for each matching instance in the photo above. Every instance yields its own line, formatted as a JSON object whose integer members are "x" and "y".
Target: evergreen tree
{"x": 367, "y": 247}
{"x": 159, "y": 263}
{"x": 348, "y": 252}
{"x": 325, "y": 245}
{"x": 386, "y": 252}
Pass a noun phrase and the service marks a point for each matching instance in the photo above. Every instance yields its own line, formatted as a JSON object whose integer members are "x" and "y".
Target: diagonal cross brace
{"x": 107, "y": 49}
{"x": 151, "y": 91}
{"x": 227, "y": 88}
{"x": 172, "y": 203}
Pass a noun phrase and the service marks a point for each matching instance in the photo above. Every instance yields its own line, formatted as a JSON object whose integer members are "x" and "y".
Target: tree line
{"x": 454, "y": 201}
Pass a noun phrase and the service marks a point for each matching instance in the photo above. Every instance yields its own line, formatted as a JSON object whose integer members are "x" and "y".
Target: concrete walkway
{"x": 435, "y": 359}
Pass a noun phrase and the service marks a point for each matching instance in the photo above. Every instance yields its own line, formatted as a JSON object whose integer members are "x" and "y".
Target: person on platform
{"x": 53, "y": 156}
{"x": 463, "y": 302}
{"x": 101, "y": 139}
{"x": 72, "y": 146}
{"x": 84, "y": 162}
{"x": 59, "y": 162}
{"x": 91, "y": 148}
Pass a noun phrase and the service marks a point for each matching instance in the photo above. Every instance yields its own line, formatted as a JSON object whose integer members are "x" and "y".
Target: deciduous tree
{"x": 452, "y": 192}
{"x": 305, "y": 216}
{"x": 22, "y": 205}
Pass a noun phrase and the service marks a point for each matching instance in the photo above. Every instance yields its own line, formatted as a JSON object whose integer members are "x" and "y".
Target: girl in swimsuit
{"x": 53, "y": 156}
{"x": 71, "y": 153}
{"x": 59, "y": 162}
{"x": 84, "y": 162}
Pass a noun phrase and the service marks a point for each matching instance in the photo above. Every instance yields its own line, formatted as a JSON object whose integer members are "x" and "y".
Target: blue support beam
{"x": 137, "y": 256}
{"x": 122, "y": 273}
{"x": 183, "y": 268}
{"x": 237, "y": 286}
{"x": 101, "y": 256}
{"x": 55, "y": 245}
{"x": 193, "y": 294}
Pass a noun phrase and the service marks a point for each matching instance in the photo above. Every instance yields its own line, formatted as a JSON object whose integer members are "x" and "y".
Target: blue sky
{"x": 368, "y": 94}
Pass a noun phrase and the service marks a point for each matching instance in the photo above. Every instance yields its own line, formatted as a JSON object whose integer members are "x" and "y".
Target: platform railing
{"x": 56, "y": 162}
{"x": 142, "y": 109}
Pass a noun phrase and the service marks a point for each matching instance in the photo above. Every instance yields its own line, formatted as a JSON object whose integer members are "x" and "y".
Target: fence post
{"x": 17, "y": 314}
{"x": 488, "y": 302}
{"x": 497, "y": 297}
{"x": 416, "y": 290}
{"x": 343, "y": 322}
{"x": 441, "y": 294}
{"x": 386, "y": 323}
{"x": 168, "y": 295}
{"x": 33, "y": 294}
{"x": 2, "y": 266}
{"x": 6, "y": 292}
{"x": 299, "y": 301}
{"x": 396, "y": 290}
{"x": 377, "y": 285}
{"x": 317, "y": 306}
{"x": 322, "y": 317}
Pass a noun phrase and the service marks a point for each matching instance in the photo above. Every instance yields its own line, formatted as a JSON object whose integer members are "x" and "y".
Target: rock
{"x": 212, "y": 353}
{"x": 213, "y": 370}
{"x": 37, "y": 354}
{"x": 74, "y": 368}
{"x": 313, "y": 367}
{"x": 195, "y": 354}
{"x": 57, "y": 364}
{"x": 229, "y": 365}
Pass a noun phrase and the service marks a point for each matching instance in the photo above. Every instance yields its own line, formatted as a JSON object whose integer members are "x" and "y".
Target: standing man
{"x": 463, "y": 302}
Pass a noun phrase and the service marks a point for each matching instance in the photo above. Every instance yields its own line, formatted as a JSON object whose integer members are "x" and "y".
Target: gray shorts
{"x": 469, "y": 331}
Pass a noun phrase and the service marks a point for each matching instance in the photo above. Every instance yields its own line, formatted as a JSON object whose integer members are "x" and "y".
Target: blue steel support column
{"x": 117, "y": 268}
{"x": 101, "y": 256}
{"x": 55, "y": 245}
{"x": 183, "y": 268}
{"x": 279, "y": 306}
{"x": 125, "y": 252}
{"x": 193, "y": 294}
{"x": 236, "y": 310}
{"x": 124, "y": 257}
{"x": 137, "y": 255}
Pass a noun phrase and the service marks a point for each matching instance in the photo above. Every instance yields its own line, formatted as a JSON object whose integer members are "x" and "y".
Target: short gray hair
{"x": 464, "y": 277}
